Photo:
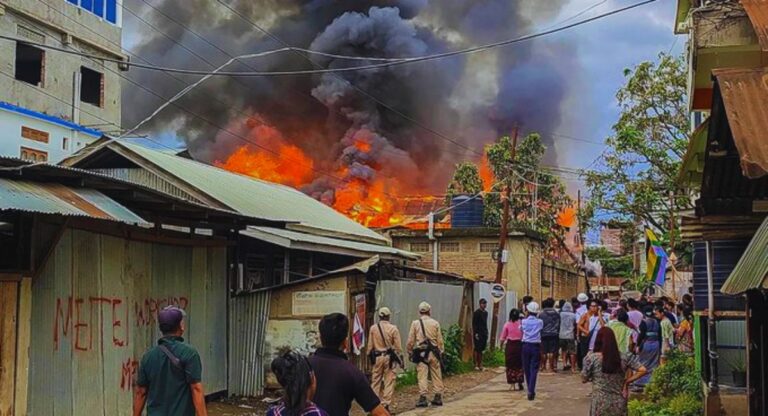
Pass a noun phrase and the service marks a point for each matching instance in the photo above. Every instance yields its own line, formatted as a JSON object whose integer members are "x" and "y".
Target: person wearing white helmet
{"x": 425, "y": 347}
{"x": 531, "y": 327}
{"x": 384, "y": 350}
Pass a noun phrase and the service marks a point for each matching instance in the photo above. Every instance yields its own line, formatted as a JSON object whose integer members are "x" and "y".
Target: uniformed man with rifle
{"x": 425, "y": 347}
{"x": 385, "y": 352}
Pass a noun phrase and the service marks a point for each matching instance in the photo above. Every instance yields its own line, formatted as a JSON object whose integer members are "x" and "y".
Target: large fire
{"x": 284, "y": 163}
{"x": 372, "y": 202}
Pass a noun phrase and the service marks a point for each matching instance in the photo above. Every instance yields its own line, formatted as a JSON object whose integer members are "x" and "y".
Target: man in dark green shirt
{"x": 170, "y": 373}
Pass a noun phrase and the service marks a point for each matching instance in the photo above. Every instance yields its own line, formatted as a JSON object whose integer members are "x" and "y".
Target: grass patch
{"x": 407, "y": 378}
{"x": 493, "y": 358}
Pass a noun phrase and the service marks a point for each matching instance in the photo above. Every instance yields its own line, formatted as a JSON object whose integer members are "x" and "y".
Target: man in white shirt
{"x": 531, "y": 351}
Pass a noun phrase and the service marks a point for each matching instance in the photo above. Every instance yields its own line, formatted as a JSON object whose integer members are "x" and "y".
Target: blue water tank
{"x": 467, "y": 214}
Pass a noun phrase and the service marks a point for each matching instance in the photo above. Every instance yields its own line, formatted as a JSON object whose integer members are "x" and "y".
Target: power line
{"x": 233, "y": 134}
{"x": 240, "y": 137}
{"x": 297, "y": 50}
{"x": 565, "y": 136}
{"x": 44, "y": 92}
{"x": 232, "y": 59}
{"x": 395, "y": 62}
{"x": 345, "y": 81}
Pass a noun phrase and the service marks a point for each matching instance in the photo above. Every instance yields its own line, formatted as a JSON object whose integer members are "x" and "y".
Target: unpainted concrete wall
{"x": 69, "y": 27}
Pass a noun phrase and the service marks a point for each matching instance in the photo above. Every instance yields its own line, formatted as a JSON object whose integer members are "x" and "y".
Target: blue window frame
{"x": 98, "y": 8}
{"x": 87, "y": 5}
{"x": 105, "y": 9}
{"x": 111, "y": 11}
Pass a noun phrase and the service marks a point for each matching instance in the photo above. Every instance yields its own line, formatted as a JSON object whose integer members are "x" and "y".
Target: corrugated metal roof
{"x": 692, "y": 170}
{"x": 757, "y": 10}
{"x": 53, "y": 198}
{"x": 254, "y": 197}
{"x": 303, "y": 241}
{"x": 752, "y": 269}
{"x": 745, "y": 95}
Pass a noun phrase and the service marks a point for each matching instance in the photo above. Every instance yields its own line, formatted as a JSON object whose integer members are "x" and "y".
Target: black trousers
{"x": 582, "y": 348}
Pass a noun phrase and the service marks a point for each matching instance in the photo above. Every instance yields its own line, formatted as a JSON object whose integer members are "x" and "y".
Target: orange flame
{"x": 371, "y": 203}
{"x": 289, "y": 166}
{"x": 363, "y": 146}
{"x": 285, "y": 163}
{"x": 567, "y": 217}
{"x": 486, "y": 174}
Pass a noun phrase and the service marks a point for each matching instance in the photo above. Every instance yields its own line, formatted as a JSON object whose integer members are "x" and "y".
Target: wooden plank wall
{"x": 93, "y": 316}
{"x": 22, "y": 345}
{"x": 8, "y": 307}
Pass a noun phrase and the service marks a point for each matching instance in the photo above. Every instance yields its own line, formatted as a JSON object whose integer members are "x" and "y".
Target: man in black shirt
{"x": 480, "y": 332}
{"x": 339, "y": 382}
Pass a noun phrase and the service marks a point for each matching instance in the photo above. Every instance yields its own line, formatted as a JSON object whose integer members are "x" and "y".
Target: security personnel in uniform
{"x": 425, "y": 347}
{"x": 386, "y": 349}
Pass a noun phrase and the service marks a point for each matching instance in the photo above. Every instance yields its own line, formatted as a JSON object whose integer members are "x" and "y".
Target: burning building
{"x": 355, "y": 140}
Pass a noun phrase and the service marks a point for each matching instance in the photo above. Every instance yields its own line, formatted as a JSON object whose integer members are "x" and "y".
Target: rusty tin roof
{"x": 745, "y": 95}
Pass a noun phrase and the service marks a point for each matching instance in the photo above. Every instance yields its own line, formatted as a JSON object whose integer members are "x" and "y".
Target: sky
{"x": 604, "y": 49}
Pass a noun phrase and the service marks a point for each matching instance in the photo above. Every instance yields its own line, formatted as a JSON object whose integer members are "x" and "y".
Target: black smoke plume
{"x": 470, "y": 98}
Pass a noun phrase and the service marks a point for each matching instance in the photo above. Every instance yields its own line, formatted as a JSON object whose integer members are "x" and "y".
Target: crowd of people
{"x": 616, "y": 347}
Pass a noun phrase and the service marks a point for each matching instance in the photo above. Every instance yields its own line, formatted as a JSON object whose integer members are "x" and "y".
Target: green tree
{"x": 643, "y": 157}
{"x": 613, "y": 265}
{"x": 537, "y": 210}
{"x": 466, "y": 180}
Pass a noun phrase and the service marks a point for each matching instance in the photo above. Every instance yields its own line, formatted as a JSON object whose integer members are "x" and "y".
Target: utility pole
{"x": 535, "y": 196}
{"x": 672, "y": 257}
{"x": 581, "y": 242}
{"x": 503, "y": 240}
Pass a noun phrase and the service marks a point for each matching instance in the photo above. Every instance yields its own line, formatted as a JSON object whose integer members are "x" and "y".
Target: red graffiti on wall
{"x": 128, "y": 372}
{"x": 82, "y": 319}
{"x": 146, "y": 311}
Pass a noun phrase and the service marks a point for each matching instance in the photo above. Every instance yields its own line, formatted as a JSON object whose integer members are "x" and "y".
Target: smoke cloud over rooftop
{"x": 343, "y": 143}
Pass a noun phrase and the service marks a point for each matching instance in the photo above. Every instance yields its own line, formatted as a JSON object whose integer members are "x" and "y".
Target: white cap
{"x": 424, "y": 307}
{"x": 582, "y": 297}
{"x": 385, "y": 311}
{"x": 533, "y": 307}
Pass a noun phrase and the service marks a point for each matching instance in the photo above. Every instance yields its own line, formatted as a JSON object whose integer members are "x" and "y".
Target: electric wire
{"x": 297, "y": 50}
{"x": 284, "y": 49}
{"x": 232, "y": 59}
{"x": 396, "y": 62}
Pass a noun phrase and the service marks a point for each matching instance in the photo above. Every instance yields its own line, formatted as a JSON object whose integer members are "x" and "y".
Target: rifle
{"x": 421, "y": 354}
{"x": 393, "y": 357}
{"x": 390, "y": 352}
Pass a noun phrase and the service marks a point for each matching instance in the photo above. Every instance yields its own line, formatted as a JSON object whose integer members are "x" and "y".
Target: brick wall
{"x": 561, "y": 281}
{"x": 463, "y": 255}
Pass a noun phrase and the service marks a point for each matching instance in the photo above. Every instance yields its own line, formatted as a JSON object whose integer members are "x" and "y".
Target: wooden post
{"x": 502, "y": 242}
{"x": 581, "y": 241}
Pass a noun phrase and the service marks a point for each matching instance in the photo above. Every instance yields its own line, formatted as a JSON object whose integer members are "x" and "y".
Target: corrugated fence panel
{"x": 93, "y": 317}
{"x": 248, "y": 316}
{"x": 403, "y": 299}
